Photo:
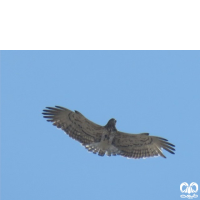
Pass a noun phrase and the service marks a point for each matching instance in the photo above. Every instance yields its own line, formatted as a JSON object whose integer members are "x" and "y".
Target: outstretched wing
{"x": 141, "y": 145}
{"x": 74, "y": 124}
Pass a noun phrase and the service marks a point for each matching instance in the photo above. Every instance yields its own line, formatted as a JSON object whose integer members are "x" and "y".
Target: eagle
{"x": 106, "y": 139}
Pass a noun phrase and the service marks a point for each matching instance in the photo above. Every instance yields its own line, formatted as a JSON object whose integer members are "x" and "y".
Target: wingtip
{"x": 162, "y": 155}
{"x": 162, "y": 138}
{"x": 60, "y": 107}
{"x": 48, "y": 107}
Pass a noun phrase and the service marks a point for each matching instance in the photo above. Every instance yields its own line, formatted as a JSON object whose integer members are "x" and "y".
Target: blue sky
{"x": 146, "y": 91}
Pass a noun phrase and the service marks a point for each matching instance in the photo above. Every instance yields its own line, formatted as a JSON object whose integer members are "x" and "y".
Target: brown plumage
{"x": 106, "y": 139}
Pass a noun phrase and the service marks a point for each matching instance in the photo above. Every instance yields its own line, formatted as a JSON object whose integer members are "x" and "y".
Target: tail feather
{"x": 97, "y": 148}
{"x": 101, "y": 153}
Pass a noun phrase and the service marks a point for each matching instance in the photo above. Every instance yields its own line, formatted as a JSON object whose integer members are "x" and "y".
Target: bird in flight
{"x": 106, "y": 139}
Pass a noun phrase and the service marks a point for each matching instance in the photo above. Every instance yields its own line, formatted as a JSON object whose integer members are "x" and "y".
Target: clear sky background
{"x": 146, "y": 91}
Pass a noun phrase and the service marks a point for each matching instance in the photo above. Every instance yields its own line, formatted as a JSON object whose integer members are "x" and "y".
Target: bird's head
{"x": 111, "y": 124}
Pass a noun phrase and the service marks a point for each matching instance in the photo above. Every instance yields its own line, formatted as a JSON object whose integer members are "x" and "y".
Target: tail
{"x": 96, "y": 148}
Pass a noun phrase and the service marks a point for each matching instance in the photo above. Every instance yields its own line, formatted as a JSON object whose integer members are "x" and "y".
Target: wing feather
{"x": 74, "y": 124}
{"x": 141, "y": 145}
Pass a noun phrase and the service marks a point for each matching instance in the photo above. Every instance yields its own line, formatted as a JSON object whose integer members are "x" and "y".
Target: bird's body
{"x": 106, "y": 139}
{"x": 105, "y": 144}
